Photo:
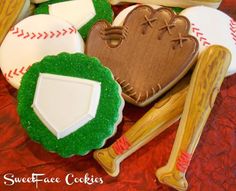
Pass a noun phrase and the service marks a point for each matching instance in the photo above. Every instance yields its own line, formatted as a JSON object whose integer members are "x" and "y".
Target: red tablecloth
{"x": 213, "y": 166}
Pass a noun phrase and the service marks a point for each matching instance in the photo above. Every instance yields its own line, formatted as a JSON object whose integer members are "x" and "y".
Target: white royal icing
{"x": 31, "y": 40}
{"x": 77, "y": 12}
{"x": 173, "y": 3}
{"x": 213, "y": 27}
{"x": 120, "y": 18}
{"x": 65, "y": 104}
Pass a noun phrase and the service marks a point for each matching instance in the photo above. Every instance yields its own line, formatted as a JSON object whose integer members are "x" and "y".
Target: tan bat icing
{"x": 163, "y": 114}
{"x": 9, "y": 11}
{"x": 204, "y": 87}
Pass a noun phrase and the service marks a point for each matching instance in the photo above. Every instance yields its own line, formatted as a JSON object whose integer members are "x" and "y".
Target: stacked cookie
{"x": 74, "y": 63}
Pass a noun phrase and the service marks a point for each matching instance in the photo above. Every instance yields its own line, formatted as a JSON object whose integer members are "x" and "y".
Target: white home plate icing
{"x": 31, "y": 40}
{"x": 120, "y": 18}
{"x": 64, "y": 104}
{"x": 213, "y": 27}
{"x": 80, "y": 11}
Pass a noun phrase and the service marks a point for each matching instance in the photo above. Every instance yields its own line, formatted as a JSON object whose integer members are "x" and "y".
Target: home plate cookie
{"x": 34, "y": 38}
{"x": 211, "y": 26}
{"x": 70, "y": 103}
{"x": 83, "y": 14}
{"x": 11, "y": 11}
{"x": 173, "y": 3}
{"x": 149, "y": 54}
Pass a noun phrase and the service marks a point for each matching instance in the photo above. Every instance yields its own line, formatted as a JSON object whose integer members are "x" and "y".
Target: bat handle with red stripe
{"x": 204, "y": 87}
{"x": 163, "y": 114}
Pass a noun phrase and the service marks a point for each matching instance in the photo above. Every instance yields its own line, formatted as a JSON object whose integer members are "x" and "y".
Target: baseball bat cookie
{"x": 34, "y": 38}
{"x": 173, "y": 3}
{"x": 211, "y": 26}
{"x": 11, "y": 11}
{"x": 163, "y": 114}
{"x": 204, "y": 87}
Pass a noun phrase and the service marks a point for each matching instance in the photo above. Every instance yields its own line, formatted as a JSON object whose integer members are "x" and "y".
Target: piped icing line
{"x": 121, "y": 145}
{"x": 200, "y": 35}
{"x": 233, "y": 29}
{"x": 15, "y": 72}
{"x": 42, "y": 35}
{"x": 183, "y": 161}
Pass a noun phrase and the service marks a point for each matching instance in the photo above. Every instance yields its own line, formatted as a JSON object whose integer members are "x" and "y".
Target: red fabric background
{"x": 213, "y": 166}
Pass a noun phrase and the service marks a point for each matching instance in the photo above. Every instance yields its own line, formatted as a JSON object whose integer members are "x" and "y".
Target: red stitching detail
{"x": 121, "y": 145}
{"x": 183, "y": 161}
{"x": 21, "y": 33}
{"x": 44, "y": 34}
{"x": 39, "y": 35}
{"x": 58, "y": 33}
{"x": 33, "y": 35}
{"x": 200, "y": 35}
{"x": 15, "y": 72}
{"x": 22, "y": 70}
{"x": 27, "y": 35}
{"x": 64, "y": 32}
{"x": 232, "y": 28}
{"x": 15, "y": 30}
{"x": 52, "y": 34}
{"x": 9, "y": 74}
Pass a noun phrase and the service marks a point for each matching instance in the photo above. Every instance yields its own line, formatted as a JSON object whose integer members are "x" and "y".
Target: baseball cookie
{"x": 173, "y": 3}
{"x": 70, "y": 104}
{"x": 153, "y": 51}
{"x": 11, "y": 11}
{"x": 34, "y": 38}
{"x": 120, "y": 18}
{"x": 213, "y": 27}
{"x": 82, "y": 14}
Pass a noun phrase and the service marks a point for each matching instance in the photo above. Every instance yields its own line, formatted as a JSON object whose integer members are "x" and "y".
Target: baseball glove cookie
{"x": 150, "y": 53}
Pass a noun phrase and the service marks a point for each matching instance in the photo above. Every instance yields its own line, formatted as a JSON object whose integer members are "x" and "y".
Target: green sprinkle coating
{"x": 177, "y": 9}
{"x": 102, "y": 7}
{"x": 92, "y": 135}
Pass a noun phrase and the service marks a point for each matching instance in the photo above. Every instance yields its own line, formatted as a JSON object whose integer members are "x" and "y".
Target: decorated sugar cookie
{"x": 70, "y": 104}
{"x": 34, "y": 38}
{"x": 120, "y": 18}
{"x": 153, "y": 51}
{"x": 82, "y": 14}
{"x": 211, "y": 26}
{"x": 11, "y": 11}
{"x": 173, "y": 3}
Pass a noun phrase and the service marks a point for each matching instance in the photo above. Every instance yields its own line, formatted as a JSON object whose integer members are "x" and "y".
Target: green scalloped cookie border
{"x": 92, "y": 135}
{"x": 103, "y": 12}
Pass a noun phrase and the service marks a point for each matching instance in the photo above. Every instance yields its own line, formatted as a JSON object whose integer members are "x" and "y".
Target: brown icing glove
{"x": 148, "y": 55}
